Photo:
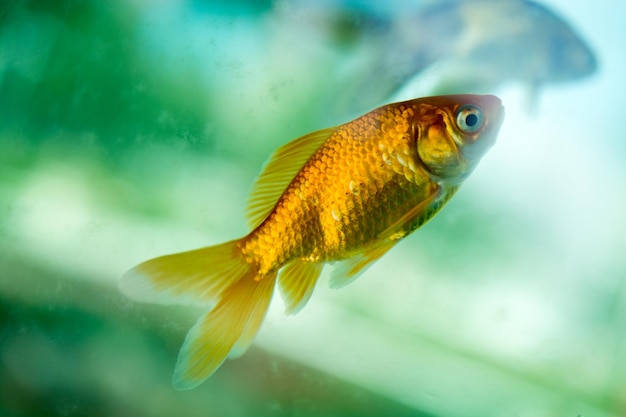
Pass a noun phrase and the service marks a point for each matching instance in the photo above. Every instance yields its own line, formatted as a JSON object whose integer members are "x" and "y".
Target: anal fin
{"x": 296, "y": 283}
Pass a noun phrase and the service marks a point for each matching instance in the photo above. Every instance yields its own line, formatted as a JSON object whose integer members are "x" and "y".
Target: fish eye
{"x": 469, "y": 118}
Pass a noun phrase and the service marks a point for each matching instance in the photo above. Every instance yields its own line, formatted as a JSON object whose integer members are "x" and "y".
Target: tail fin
{"x": 216, "y": 277}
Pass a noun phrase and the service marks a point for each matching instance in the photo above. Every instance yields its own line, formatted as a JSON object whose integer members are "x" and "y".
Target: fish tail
{"x": 219, "y": 279}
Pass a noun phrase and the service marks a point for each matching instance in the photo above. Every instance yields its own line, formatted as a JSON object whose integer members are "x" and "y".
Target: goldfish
{"x": 344, "y": 195}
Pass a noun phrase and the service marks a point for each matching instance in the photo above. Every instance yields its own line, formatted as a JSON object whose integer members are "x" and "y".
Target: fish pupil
{"x": 471, "y": 120}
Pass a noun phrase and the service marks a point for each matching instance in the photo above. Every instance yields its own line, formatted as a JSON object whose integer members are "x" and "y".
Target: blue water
{"x": 135, "y": 129}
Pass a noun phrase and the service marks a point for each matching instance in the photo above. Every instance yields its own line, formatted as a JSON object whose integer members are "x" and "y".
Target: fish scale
{"x": 340, "y": 162}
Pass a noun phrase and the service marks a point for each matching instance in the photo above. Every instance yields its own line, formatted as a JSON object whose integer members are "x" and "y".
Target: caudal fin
{"x": 216, "y": 277}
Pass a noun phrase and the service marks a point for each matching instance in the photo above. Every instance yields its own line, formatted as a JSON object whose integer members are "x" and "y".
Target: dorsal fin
{"x": 281, "y": 167}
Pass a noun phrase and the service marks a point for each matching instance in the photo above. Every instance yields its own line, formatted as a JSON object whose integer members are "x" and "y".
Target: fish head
{"x": 454, "y": 132}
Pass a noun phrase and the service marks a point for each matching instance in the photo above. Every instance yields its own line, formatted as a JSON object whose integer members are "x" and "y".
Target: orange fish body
{"x": 344, "y": 195}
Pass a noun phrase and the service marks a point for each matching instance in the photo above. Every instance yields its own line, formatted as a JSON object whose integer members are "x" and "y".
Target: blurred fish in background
{"x": 481, "y": 44}
{"x": 420, "y": 48}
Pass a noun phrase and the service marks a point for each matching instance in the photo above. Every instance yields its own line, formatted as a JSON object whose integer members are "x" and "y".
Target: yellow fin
{"x": 347, "y": 270}
{"x": 279, "y": 170}
{"x": 234, "y": 322}
{"x": 418, "y": 214}
{"x": 214, "y": 276}
{"x": 196, "y": 277}
{"x": 296, "y": 283}
{"x": 264, "y": 291}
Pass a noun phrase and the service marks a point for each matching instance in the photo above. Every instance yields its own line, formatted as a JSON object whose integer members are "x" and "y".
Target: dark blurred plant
{"x": 78, "y": 68}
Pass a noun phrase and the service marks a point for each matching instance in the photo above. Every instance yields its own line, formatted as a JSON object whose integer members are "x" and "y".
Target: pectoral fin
{"x": 346, "y": 271}
{"x": 415, "y": 217}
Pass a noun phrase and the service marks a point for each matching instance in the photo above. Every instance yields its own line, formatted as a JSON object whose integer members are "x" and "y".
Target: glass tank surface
{"x": 132, "y": 129}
